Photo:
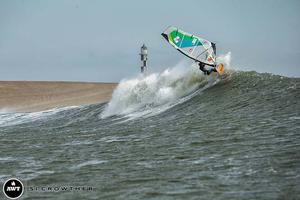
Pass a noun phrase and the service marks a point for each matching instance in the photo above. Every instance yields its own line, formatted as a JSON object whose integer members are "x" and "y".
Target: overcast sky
{"x": 76, "y": 40}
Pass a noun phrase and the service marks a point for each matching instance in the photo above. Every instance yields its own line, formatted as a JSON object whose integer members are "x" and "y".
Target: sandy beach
{"x": 30, "y": 96}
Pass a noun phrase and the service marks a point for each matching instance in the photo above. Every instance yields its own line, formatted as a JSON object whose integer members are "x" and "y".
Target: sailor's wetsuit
{"x": 206, "y": 71}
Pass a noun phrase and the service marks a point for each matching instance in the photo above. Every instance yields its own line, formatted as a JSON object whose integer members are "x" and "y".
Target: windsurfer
{"x": 205, "y": 70}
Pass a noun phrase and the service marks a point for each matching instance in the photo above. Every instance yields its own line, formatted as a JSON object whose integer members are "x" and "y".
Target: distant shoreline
{"x": 31, "y": 96}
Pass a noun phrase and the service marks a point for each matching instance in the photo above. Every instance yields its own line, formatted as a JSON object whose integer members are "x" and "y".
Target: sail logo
{"x": 194, "y": 41}
{"x": 13, "y": 188}
{"x": 177, "y": 39}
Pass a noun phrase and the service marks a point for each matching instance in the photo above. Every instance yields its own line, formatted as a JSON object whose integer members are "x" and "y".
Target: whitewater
{"x": 176, "y": 134}
{"x": 157, "y": 92}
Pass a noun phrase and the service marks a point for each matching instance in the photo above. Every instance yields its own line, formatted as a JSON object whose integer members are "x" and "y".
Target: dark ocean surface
{"x": 164, "y": 136}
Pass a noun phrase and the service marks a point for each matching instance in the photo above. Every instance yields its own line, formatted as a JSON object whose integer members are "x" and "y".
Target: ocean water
{"x": 171, "y": 135}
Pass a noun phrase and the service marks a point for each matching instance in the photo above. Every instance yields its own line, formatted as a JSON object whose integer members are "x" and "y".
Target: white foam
{"x": 88, "y": 163}
{"x": 156, "y": 92}
{"x": 9, "y": 118}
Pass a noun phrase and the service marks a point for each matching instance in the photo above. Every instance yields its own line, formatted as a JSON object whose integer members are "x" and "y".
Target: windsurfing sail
{"x": 194, "y": 47}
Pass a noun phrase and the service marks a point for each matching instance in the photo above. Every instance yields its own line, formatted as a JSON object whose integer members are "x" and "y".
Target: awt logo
{"x": 13, "y": 188}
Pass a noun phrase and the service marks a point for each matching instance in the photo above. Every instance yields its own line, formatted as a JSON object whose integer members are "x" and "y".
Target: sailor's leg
{"x": 213, "y": 69}
{"x": 201, "y": 67}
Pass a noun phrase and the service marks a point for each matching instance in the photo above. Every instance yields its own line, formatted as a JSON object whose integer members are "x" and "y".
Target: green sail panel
{"x": 194, "y": 47}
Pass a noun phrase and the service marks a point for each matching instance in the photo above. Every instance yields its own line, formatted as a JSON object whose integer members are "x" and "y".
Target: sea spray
{"x": 157, "y": 89}
{"x": 147, "y": 92}
{"x": 225, "y": 59}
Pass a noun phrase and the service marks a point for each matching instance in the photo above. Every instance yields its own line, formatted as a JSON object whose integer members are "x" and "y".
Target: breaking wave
{"x": 157, "y": 92}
